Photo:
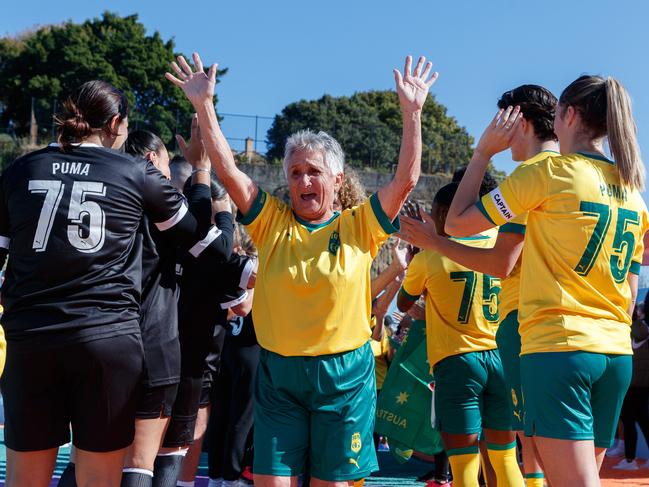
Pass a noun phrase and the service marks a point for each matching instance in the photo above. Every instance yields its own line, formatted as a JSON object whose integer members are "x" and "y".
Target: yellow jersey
{"x": 3, "y": 350}
{"x": 461, "y": 304}
{"x": 584, "y": 235}
{"x": 312, "y": 294}
{"x": 510, "y": 291}
{"x": 381, "y": 351}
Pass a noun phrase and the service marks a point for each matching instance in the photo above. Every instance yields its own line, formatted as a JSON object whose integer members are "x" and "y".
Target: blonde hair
{"x": 622, "y": 135}
{"x": 352, "y": 192}
{"x": 605, "y": 109}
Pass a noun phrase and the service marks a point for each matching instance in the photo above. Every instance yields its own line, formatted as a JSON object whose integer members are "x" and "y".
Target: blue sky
{"x": 282, "y": 51}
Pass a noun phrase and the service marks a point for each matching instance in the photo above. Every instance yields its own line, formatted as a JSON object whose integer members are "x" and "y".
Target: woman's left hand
{"x": 420, "y": 233}
{"x": 194, "y": 151}
{"x": 412, "y": 88}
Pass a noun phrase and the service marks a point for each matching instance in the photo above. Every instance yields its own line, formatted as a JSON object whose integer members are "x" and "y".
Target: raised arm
{"x": 412, "y": 89}
{"x": 199, "y": 89}
{"x": 498, "y": 261}
{"x": 464, "y": 217}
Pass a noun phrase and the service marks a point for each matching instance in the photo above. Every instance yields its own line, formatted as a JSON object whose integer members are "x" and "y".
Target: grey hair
{"x": 332, "y": 153}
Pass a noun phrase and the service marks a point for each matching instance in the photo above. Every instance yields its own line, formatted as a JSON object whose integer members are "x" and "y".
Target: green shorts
{"x": 470, "y": 393}
{"x": 316, "y": 409}
{"x": 574, "y": 395}
{"x": 509, "y": 346}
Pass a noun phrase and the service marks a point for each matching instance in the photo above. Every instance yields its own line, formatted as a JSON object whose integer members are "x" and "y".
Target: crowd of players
{"x": 116, "y": 281}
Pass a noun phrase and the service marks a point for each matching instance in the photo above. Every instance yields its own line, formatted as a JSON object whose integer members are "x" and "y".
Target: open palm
{"x": 197, "y": 86}
{"x": 412, "y": 87}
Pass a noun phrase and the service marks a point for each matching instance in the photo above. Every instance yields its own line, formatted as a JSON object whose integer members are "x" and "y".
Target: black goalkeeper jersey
{"x": 69, "y": 221}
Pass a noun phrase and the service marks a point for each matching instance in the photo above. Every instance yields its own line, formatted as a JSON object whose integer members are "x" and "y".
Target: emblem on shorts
{"x": 334, "y": 243}
{"x": 403, "y": 397}
{"x": 357, "y": 444}
{"x": 514, "y": 398}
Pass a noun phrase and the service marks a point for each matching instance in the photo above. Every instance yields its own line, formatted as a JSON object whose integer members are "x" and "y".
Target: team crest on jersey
{"x": 357, "y": 444}
{"x": 334, "y": 243}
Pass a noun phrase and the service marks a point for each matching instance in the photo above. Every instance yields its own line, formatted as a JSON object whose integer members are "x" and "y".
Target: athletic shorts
{"x": 156, "y": 402}
{"x": 509, "y": 347}
{"x": 574, "y": 395}
{"x": 92, "y": 386}
{"x": 470, "y": 393}
{"x": 318, "y": 410}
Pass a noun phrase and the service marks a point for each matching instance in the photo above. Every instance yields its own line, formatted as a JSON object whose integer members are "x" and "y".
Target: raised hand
{"x": 194, "y": 151}
{"x": 412, "y": 88}
{"x": 197, "y": 86}
{"x": 420, "y": 232}
{"x": 499, "y": 134}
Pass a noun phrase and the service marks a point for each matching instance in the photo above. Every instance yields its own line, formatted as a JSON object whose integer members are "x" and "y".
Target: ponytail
{"x": 605, "y": 109}
{"x": 621, "y": 131}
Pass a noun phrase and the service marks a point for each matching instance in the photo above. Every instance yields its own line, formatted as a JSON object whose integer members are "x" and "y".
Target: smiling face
{"x": 312, "y": 186}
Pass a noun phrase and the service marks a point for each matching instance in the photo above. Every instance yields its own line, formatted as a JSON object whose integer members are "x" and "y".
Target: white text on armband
{"x": 211, "y": 236}
{"x": 501, "y": 204}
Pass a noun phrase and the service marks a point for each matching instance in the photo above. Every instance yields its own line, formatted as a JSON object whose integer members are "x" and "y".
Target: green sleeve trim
{"x": 512, "y": 228}
{"x": 534, "y": 475}
{"x": 388, "y": 226}
{"x": 635, "y": 268}
{"x": 403, "y": 292}
{"x": 255, "y": 209}
{"x": 419, "y": 322}
{"x": 467, "y": 450}
{"x": 497, "y": 447}
{"x": 482, "y": 209}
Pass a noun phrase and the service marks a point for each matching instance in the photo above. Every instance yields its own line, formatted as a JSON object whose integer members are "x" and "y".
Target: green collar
{"x": 597, "y": 157}
{"x": 314, "y": 226}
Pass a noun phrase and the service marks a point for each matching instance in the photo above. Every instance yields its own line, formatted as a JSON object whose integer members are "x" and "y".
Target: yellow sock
{"x": 503, "y": 461}
{"x": 534, "y": 479}
{"x": 465, "y": 464}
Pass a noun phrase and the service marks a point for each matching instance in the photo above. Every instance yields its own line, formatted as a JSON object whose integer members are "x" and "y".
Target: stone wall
{"x": 272, "y": 179}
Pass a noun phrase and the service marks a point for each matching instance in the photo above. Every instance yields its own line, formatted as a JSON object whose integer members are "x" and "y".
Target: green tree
{"x": 368, "y": 126}
{"x": 45, "y": 65}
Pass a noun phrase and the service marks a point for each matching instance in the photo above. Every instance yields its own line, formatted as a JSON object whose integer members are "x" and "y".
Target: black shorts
{"x": 91, "y": 386}
{"x": 156, "y": 402}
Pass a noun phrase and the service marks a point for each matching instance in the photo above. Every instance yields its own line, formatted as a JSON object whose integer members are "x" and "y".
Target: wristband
{"x": 201, "y": 170}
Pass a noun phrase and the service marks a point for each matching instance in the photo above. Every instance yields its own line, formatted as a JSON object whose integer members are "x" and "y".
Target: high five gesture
{"x": 198, "y": 86}
{"x": 412, "y": 87}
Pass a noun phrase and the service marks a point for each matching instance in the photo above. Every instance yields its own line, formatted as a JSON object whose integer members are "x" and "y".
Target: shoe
{"x": 617, "y": 450}
{"x": 247, "y": 474}
{"x": 626, "y": 465}
{"x": 215, "y": 482}
{"x": 644, "y": 464}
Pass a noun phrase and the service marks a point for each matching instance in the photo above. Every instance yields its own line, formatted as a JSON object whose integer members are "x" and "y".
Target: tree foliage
{"x": 47, "y": 64}
{"x": 368, "y": 126}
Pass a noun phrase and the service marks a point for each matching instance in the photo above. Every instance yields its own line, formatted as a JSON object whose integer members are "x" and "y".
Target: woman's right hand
{"x": 197, "y": 86}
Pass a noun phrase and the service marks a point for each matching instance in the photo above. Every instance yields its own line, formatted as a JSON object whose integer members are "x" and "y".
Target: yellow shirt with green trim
{"x": 312, "y": 294}
{"x": 461, "y": 304}
{"x": 584, "y": 235}
{"x": 381, "y": 350}
{"x": 510, "y": 290}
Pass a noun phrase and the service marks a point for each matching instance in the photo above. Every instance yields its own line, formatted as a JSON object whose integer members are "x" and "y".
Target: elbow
{"x": 454, "y": 230}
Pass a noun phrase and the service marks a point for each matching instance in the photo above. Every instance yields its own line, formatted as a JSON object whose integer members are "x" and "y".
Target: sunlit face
{"x": 561, "y": 124}
{"x": 312, "y": 186}
{"x": 121, "y": 129}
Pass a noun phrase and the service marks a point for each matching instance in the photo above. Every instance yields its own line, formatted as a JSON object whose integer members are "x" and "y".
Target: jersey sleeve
{"x": 265, "y": 214}
{"x": 370, "y": 225}
{"x": 414, "y": 283}
{"x": 236, "y": 270}
{"x": 525, "y": 189}
{"x": 517, "y": 225}
{"x": 163, "y": 204}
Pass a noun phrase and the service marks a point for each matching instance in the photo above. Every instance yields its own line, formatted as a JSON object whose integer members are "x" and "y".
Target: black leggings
{"x": 231, "y": 417}
{"x": 635, "y": 410}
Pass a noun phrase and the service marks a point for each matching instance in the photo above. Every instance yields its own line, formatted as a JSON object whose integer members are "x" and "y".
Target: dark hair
{"x": 445, "y": 194}
{"x": 141, "y": 142}
{"x": 538, "y": 106}
{"x": 489, "y": 183}
{"x": 91, "y": 107}
{"x": 605, "y": 110}
{"x": 217, "y": 190}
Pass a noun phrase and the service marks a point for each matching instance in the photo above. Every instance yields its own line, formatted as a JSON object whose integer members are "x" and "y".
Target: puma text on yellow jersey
{"x": 584, "y": 235}
{"x": 461, "y": 304}
{"x": 312, "y": 295}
